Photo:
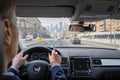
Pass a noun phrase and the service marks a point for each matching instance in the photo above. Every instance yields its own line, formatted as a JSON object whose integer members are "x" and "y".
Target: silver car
{"x": 75, "y": 40}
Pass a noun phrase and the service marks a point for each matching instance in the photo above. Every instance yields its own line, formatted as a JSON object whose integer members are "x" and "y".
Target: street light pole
{"x": 110, "y": 32}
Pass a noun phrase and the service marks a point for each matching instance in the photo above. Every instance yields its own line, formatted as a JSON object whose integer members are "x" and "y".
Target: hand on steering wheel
{"x": 54, "y": 58}
{"x": 19, "y": 60}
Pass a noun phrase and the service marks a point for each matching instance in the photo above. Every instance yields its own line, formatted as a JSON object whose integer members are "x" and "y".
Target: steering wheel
{"x": 37, "y": 69}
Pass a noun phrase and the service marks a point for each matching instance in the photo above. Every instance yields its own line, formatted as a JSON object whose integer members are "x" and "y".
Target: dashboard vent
{"x": 64, "y": 62}
{"x": 96, "y": 61}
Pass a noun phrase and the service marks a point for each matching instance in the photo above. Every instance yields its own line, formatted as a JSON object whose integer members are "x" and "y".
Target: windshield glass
{"x": 54, "y": 32}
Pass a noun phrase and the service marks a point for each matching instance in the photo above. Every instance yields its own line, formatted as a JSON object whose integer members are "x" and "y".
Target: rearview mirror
{"x": 82, "y": 28}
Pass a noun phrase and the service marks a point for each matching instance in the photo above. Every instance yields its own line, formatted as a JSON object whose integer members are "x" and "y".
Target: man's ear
{"x": 7, "y": 32}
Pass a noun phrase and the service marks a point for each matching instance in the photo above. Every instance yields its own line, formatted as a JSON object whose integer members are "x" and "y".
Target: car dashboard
{"x": 86, "y": 63}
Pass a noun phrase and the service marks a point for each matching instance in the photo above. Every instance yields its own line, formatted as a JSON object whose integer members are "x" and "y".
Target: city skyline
{"x": 58, "y": 28}
{"x": 48, "y": 21}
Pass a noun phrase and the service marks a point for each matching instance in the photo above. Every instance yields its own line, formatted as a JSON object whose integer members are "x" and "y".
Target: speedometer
{"x": 44, "y": 55}
{"x": 35, "y": 56}
{"x": 39, "y": 56}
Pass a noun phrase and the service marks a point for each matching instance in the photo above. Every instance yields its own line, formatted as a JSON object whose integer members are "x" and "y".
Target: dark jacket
{"x": 56, "y": 73}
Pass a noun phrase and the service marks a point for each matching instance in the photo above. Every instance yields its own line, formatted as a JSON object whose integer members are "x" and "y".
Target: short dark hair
{"x": 6, "y": 8}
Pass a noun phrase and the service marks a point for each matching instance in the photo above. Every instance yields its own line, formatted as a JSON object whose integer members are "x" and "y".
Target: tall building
{"x": 31, "y": 26}
{"x": 56, "y": 29}
{"x": 51, "y": 30}
{"x": 61, "y": 26}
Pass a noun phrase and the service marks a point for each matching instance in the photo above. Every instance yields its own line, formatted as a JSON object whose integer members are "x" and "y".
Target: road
{"x": 62, "y": 43}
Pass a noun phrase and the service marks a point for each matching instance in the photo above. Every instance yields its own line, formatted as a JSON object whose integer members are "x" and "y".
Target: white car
{"x": 29, "y": 37}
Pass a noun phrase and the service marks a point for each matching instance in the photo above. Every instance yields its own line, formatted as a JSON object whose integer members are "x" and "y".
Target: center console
{"x": 80, "y": 66}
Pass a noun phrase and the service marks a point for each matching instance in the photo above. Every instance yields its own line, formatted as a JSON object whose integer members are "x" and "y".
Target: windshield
{"x": 54, "y": 32}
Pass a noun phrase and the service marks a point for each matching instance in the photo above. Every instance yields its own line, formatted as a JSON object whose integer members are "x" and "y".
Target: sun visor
{"x": 44, "y": 11}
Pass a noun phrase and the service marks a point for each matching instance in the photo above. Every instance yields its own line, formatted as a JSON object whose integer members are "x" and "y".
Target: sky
{"x": 48, "y": 21}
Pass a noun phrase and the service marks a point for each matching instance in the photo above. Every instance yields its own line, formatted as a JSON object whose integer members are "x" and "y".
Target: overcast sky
{"x": 48, "y": 21}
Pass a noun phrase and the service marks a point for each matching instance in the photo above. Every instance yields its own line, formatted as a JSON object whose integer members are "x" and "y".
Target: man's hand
{"x": 19, "y": 60}
{"x": 54, "y": 58}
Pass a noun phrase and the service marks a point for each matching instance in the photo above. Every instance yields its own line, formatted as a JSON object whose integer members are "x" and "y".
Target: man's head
{"x": 8, "y": 18}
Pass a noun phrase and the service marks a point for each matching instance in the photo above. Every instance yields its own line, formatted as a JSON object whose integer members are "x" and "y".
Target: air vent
{"x": 96, "y": 61}
{"x": 64, "y": 62}
{"x": 110, "y": 8}
{"x": 88, "y": 8}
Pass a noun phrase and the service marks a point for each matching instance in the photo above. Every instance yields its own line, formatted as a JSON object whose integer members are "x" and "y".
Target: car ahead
{"x": 29, "y": 38}
{"x": 39, "y": 39}
{"x": 67, "y": 37}
{"x": 75, "y": 40}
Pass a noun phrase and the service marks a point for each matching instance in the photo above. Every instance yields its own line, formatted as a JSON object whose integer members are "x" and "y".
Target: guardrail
{"x": 110, "y": 42}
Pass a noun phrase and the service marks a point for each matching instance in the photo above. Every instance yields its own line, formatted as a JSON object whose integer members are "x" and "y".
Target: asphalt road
{"x": 62, "y": 43}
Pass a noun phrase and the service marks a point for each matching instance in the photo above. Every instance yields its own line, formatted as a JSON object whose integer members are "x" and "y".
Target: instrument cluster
{"x": 38, "y": 56}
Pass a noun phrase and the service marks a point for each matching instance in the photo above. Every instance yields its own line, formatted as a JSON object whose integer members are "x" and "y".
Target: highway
{"x": 62, "y": 43}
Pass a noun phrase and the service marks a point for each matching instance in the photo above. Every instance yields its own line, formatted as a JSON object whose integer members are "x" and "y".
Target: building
{"x": 31, "y": 26}
{"x": 107, "y": 25}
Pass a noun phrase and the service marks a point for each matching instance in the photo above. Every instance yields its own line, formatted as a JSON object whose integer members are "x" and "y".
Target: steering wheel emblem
{"x": 36, "y": 68}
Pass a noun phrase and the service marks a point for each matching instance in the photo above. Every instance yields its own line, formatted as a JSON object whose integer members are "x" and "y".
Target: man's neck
{"x": 5, "y": 64}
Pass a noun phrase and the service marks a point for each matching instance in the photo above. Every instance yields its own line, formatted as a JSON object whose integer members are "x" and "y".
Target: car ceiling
{"x": 76, "y": 10}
